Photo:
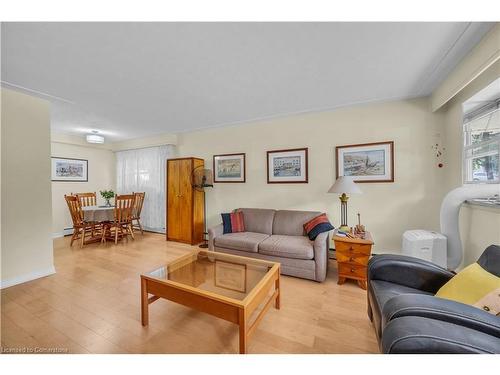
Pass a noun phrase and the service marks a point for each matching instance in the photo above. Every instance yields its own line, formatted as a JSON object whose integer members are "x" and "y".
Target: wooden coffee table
{"x": 227, "y": 286}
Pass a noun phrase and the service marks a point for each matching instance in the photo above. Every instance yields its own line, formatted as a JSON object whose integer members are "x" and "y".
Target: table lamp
{"x": 342, "y": 186}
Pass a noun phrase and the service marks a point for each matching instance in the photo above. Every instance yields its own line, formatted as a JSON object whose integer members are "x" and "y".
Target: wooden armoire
{"x": 185, "y": 204}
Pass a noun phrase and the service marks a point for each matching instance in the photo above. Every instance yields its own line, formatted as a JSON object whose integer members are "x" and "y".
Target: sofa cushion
{"x": 258, "y": 220}
{"x": 291, "y": 223}
{"x": 299, "y": 247}
{"x": 304, "y": 268}
{"x": 243, "y": 241}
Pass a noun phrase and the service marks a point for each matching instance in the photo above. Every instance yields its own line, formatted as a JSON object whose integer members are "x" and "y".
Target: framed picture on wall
{"x": 69, "y": 170}
{"x": 229, "y": 168}
{"x": 368, "y": 162}
{"x": 287, "y": 166}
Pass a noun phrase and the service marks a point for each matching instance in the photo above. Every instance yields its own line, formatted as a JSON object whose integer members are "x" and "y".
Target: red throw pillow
{"x": 237, "y": 223}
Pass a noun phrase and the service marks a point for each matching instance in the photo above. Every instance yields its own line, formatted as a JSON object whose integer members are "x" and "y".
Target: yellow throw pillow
{"x": 469, "y": 285}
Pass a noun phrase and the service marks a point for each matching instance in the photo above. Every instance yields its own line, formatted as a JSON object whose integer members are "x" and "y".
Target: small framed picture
{"x": 232, "y": 276}
{"x": 69, "y": 170}
{"x": 287, "y": 166}
{"x": 229, "y": 168}
{"x": 368, "y": 162}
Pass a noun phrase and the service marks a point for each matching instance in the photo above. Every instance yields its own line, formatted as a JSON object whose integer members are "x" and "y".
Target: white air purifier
{"x": 425, "y": 244}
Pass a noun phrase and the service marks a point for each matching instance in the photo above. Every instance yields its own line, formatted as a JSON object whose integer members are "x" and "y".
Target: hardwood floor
{"x": 92, "y": 305}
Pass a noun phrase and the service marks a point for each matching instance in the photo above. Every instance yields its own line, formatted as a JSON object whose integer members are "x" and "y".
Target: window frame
{"x": 467, "y": 145}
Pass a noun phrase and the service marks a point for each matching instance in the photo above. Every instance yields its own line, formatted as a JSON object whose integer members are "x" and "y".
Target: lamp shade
{"x": 345, "y": 185}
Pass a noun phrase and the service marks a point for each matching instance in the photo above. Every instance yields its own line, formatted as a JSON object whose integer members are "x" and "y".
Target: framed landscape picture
{"x": 69, "y": 170}
{"x": 229, "y": 168}
{"x": 287, "y": 166}
{"x": 369, "y": 162}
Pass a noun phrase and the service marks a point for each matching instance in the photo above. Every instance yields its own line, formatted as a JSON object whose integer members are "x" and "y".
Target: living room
{"x": 213, "y": 187}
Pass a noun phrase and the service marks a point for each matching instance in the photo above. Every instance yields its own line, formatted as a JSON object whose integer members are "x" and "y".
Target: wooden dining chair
{"x": 87, "y": 199}
{"x": 82, "y": 229}
{"x": 121, "y": 226}
{"x": 136, "y": 212}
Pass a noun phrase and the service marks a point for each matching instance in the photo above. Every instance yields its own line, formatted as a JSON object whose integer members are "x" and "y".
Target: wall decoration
{"x": 438, "y": 152}
{"x": 287, "y": 166}
{"x": 232, "y": 276}
{"x": 69, "y": 170}
{"x": 369, "y": 162}
{"x": 229, "y": 168}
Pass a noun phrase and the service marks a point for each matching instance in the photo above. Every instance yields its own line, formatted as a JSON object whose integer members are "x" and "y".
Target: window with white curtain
{"x": 143, "y": 170}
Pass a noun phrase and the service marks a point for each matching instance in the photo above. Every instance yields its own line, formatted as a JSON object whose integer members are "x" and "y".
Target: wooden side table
{"x": 352, "y": 258}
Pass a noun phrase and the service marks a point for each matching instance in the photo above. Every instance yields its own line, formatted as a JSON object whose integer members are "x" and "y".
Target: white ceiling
{"x": 132, "y": 80}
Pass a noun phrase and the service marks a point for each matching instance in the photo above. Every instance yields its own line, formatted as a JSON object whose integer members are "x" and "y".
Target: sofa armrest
{"x": 321, "y": 246}
{"x": 418, "y": 335}
{"x": 213, "y": 232}
{"x": 441, "y": 309}
{"x": 490, "y": 259}
{"x": 408, "y": 271}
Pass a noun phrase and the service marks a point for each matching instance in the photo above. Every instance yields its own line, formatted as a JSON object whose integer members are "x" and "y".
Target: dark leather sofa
{"x": 408, "y": 318}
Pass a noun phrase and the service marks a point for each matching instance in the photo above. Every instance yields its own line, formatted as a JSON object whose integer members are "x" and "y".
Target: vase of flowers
{"x": 107, "y": 195}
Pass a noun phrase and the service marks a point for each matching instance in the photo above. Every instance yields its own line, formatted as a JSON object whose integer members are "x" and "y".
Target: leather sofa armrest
{"x": 418, "y": 335}
{"x": 441, "y": 309}
{"x": 408, "y": 271}
{"x": 321, "y": 246}
{"x": 490, "y": 259}
{"x": 212, "y": 233}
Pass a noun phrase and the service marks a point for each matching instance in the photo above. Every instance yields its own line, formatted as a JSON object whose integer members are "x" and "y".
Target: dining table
{"x": 98, "y": 213}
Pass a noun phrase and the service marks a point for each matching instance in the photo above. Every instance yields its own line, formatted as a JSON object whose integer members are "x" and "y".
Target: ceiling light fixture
{"x": 94, "y": 137}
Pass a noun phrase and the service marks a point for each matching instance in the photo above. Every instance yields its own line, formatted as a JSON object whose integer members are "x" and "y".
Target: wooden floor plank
{"x": 85, "y": 337}
{"x": 92, "y": 304}
{"x": 48, "y": 336}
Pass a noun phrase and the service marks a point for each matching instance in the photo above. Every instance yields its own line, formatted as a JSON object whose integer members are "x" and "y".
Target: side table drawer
{"x": 349, "y": 248}
{"x": 353, "y": 258}
{"x": 352, "y": 270}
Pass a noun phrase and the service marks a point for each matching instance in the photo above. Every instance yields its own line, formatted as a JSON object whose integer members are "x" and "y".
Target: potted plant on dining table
{"x": 107, "y": 195}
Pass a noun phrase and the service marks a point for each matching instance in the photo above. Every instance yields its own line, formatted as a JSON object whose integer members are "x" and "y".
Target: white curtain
{"x": 143, "y": 170}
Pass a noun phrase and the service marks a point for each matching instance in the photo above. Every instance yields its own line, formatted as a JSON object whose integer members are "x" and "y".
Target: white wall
{"x": 387, "y": 209}
{"x": 101, "y": 176}
{"x": 479, "y": 227}
{"x": 26, "y": 201}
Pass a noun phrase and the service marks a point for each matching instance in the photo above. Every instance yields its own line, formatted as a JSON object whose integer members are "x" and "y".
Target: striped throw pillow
{"x": 237, "y": 223}
{"x": 317, "y": 225}
{"x": 233, "y": 222}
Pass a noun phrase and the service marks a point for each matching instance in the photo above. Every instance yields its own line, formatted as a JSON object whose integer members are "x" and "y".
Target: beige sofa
{"x": 277, "y": 235}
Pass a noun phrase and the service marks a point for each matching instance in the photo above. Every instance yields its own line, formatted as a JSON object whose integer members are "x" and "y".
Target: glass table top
{"x": 223, "y": 274}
